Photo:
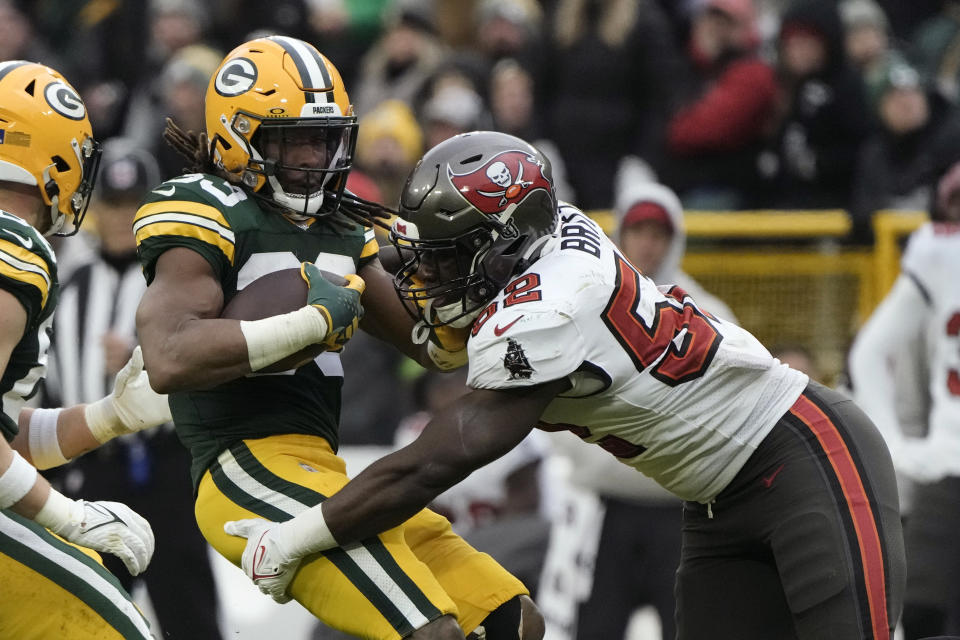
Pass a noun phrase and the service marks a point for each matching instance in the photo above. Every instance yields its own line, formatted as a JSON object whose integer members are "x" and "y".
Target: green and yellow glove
{"x": 340, "y": 305}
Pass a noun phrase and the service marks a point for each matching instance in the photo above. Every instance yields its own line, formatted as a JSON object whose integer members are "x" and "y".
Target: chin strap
{"x": 420, "y": 333}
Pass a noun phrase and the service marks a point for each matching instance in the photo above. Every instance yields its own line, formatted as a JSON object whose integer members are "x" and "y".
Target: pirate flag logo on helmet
{"x": 507, "y": 178}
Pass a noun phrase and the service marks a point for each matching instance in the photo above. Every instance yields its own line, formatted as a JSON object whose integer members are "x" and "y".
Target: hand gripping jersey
{"x": 242, "y": 242}
{"x": 679, "y": 395}
{"x": 28, "y": 270}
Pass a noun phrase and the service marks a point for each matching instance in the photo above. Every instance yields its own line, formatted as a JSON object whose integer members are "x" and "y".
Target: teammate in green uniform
{"x": 52, "y": 588}
{"x": 268, "y": 194}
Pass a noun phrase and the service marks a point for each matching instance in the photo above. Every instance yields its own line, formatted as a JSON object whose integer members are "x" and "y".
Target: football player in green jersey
{"x": 267, "y": 193}
{"x": 52, "y": 589}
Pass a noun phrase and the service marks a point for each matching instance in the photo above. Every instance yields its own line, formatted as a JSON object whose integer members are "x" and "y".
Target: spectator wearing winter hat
{"x": 867, "y": 42}
{"x": 823, "y": 112}
{"x": 509, "y": 29}
{"x": 933, "y": 48}
{"x": 177, "y": 93}
{"x": 651, "y": 235}
{"x": 726, "y": 110}
{"x": 918, "y": 139}
{"x": 389, "y": 143}
{"x": 400, "y": 64}
{"x": 453, "y": 109}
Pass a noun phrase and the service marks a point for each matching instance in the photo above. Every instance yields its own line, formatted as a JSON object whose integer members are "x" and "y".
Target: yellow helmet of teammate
{"x": 279, "y": 121}
{"x": 46, "y": 140}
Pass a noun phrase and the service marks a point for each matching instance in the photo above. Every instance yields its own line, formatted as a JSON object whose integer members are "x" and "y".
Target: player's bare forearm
{"x": 73, "y": 435}
{"x": 185, "y": 344}
{"x": 483, "y": 426}
{"x": 384, "y": 315}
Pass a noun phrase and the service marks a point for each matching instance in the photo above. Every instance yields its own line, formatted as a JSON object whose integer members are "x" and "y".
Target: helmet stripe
{"x": 313, "y": 73}
{"x": 10, "y": 65}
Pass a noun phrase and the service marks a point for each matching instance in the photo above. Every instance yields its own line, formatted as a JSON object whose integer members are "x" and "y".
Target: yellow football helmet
{"x": 279, "y": 122}
{"x": 46, "y": 140}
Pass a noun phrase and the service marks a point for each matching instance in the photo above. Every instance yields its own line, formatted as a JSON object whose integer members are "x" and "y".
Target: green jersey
{"x": 243, "y": 242}
{"x": 28, "y": 271}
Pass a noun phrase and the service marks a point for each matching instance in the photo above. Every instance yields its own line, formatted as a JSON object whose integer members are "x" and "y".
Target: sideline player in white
{"x": 919, "y": 320}
{"x": 791, "y": 508}
{"x": 52, "y": 589}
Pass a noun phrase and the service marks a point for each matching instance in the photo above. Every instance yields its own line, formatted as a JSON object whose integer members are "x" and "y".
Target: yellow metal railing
{"x": 832, "y": 223}
{"x": 889, "y": 230}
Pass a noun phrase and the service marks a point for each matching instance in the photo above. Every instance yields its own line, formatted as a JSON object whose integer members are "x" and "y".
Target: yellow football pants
{"x": 53, "y": 589}
{"x": 380, "y": 589}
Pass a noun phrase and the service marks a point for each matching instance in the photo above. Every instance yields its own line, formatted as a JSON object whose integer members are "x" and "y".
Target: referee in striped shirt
{"x": 94, "y": 335}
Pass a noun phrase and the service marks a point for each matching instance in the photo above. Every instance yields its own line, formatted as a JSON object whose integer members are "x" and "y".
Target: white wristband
{"x": 16, "y": 481}
{"x": 277, "y": 337}
{"x": 59, "y": 512}
{"x": 43, "y": 439}
{"x": 307, "y": 533}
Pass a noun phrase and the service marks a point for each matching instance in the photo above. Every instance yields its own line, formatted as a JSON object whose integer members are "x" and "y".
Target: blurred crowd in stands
{"x": 645, "y": 107}
{"x": 734, "y": 104}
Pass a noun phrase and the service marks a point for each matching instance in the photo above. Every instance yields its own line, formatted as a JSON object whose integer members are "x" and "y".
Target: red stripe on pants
{"x": 868, "y": 538}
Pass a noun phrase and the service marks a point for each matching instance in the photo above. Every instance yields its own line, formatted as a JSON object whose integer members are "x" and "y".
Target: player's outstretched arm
{"x": 482, "y": 426}
{"x": 103, "y": 526}
{"x": 51, "y": 437}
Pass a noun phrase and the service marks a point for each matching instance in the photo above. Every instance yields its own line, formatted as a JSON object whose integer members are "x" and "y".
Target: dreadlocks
{"x": 195, "y": 148}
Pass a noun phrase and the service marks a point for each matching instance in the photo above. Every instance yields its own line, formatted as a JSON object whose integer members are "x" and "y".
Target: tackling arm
{"x": 51, "y": 437}
{"x": 483, "y": 426}
{"x": 387, "y": 319}
{"x": 104, "y": 526}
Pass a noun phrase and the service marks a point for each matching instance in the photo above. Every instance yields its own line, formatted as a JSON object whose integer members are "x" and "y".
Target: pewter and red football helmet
{"x": 475, "y": 210}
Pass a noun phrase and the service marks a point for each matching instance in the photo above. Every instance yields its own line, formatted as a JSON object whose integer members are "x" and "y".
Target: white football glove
{"x": 132, "y": 406}
{"x": 265, "y": 559}
{"x": 110, "y": 527}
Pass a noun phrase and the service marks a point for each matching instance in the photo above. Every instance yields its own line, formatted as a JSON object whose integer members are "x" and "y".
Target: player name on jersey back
{"x": 680, "y": 395}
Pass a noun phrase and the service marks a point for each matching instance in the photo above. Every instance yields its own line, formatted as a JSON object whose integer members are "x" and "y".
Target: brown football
{"x": 275, "y": 293}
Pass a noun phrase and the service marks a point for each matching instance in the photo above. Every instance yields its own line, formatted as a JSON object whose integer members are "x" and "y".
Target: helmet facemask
{"x": 476, "y": 210}
{"x": 88, "y": 162}
{"x": 444, "y": 279}
{"x": 303, "y": 161}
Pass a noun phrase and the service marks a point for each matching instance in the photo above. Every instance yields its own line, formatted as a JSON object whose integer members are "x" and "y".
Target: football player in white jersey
{"x": 791, "y": 520}
{"x": 919, "y": 321}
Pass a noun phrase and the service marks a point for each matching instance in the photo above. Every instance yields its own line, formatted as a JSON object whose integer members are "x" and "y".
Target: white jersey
{"x": 932, "y": 260}
{"x": 918, "y": 320}
{"x": 679, "y": 395}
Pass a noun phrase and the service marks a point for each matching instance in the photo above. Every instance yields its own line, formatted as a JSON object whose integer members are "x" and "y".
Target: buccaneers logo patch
{"x": 507, "y": 178}
{"x": 515, "y": 361}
